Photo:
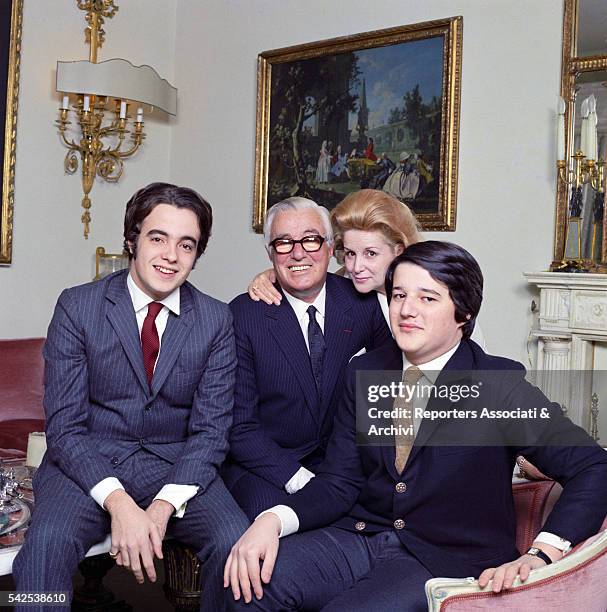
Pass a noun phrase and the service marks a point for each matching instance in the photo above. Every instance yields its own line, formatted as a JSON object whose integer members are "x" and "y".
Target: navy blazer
{"x": 279, "y": 423}
{"x": 456, "y": 504}
{"x": 99, "y": 406}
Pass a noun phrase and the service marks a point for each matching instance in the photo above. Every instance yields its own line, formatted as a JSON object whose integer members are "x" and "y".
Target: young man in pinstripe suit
{"x": 139, "y": 381}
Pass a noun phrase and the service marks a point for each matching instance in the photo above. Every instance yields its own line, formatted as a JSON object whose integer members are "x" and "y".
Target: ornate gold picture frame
{"x": 373, "y": 110}
{"x": 11, "y": 17}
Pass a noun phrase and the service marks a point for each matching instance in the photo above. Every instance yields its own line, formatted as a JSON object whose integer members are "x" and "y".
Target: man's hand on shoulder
{"x": 135, "y": 535}
{"x": 259, "y": 542}
{"x": 504, "y": 575}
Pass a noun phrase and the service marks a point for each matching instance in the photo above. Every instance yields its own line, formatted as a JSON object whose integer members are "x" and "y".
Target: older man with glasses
{"x": 292, "y": 358}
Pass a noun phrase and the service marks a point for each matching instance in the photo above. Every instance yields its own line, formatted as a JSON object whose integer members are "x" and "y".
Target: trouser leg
{"x": 211, "y": 525}
{"x": 312, "y": 568}
{"x": 65, "y": 524}
{"x": 395, "y": 582}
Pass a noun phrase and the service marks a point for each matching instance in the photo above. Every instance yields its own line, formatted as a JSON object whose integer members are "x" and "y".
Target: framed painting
{"x": 11, "y": 17}
{"x": 376, "y": 110}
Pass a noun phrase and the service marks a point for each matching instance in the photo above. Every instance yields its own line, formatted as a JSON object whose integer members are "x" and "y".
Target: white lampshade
{"x": 117, "y": 78}
{"x": 36, "y": 447}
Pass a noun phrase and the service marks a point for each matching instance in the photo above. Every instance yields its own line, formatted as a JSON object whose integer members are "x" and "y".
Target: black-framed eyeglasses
{"x": 310, "y": 244}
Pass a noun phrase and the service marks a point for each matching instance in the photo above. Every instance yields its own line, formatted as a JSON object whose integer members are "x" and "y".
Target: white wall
{"x": 511, "y": 63}
{"x": 49, "y": 250}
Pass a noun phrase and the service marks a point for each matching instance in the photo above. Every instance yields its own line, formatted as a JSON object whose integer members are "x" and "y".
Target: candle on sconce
{"x": 560, "y": 130}
{"x": 86, "y": 104}
{"x": 139, "y": 115}
{"x": 36, "y": 447}
{"x": 123, "y": 109}
{"x": 65, "y": 104}
{"x": 596, "y": 136}
{"x": 584, "y": 129}
{"x": 591, "y": 137}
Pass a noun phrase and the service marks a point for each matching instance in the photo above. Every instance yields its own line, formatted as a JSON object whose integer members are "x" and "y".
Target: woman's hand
{"x": 262, "y": 288}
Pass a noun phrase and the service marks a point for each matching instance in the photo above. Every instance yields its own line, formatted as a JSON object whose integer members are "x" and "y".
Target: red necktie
{"x": 150, "y": 343}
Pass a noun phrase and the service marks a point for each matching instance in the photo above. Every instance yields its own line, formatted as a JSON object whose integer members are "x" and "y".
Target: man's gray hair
{"x": 297, "y": 203}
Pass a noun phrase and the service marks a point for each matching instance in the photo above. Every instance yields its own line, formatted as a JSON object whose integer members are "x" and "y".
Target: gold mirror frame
{"x": 10, "y": 134}
{"x": 571, "y": 67}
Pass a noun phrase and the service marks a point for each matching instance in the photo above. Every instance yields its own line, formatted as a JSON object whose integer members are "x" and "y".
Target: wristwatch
{"x": 540, "y": 554}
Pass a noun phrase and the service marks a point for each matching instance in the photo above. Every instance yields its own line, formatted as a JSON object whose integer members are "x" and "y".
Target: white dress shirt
{"x": 176, "y": 495}
{"x": 288, "y": 518}
{"x": 303, "y": 476}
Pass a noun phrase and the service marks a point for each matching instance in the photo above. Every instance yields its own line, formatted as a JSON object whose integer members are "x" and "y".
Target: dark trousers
{"x": 67, "y": 522}
{"x": 334, "y": 570}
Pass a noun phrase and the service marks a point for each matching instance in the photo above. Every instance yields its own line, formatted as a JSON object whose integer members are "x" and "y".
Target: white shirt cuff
{"x": 178, "y": 496}
{"x": 289, "y": 523}
{"x": 103, "y": 488}
{"x": 299, "y": 480}
{"x": 553, "y": 540}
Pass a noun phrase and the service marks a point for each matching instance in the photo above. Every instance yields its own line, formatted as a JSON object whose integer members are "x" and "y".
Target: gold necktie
{"x": 404, "y": 441}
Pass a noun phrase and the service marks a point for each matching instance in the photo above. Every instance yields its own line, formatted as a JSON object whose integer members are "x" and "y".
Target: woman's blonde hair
{"x": 372, "y": 210}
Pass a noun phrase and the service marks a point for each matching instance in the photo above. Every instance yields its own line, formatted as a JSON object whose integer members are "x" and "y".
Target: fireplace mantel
{"x": 572, "y": 318}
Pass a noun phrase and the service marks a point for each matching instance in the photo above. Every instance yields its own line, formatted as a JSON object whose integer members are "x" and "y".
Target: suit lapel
{"x": 286, "y": 330}
{"x": 123, "y": 320}
{"x": 339, "y": 326}
{"x": 174, "y": 336}
{"x": 456, "y": 368}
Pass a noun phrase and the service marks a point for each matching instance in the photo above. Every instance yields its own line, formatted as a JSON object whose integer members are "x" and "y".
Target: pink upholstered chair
{"x": 21, "y": 391}
{"x": 575, "y": 583}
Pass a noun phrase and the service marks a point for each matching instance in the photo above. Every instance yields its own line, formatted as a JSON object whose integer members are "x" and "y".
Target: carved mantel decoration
{"x": 572, "y": 319}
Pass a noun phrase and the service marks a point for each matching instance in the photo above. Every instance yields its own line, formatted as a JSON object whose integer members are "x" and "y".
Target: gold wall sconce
{"x": 104, "y": 94}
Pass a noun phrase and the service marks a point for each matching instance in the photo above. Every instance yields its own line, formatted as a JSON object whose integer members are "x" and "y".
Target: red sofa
{"x": 21, "y": 392}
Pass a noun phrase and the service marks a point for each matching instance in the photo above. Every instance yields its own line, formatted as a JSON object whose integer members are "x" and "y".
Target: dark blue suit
{"x": 103, "y": 419}
{"x": 280, "y": 423}
{"x": 456, "y": 509}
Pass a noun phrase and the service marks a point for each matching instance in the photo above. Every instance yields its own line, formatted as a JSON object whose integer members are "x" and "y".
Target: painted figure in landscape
{"x": 369, "y": 154}
{"x": 339, "y": 170}
{"x": 403, "y": 183}
{"x": 387, "y": 167}
{"x": 322, "y": 168}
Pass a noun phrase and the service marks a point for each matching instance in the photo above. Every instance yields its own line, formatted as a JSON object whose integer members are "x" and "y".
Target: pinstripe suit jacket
{"x": 98, "y": 404}
{"x": 279, "y": 422}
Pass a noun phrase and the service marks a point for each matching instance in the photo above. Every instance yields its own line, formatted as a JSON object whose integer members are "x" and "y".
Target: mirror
{"x": 581, "y": 227}
{"x": 591, "y": 227}
{"x": 591, "y": 38}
